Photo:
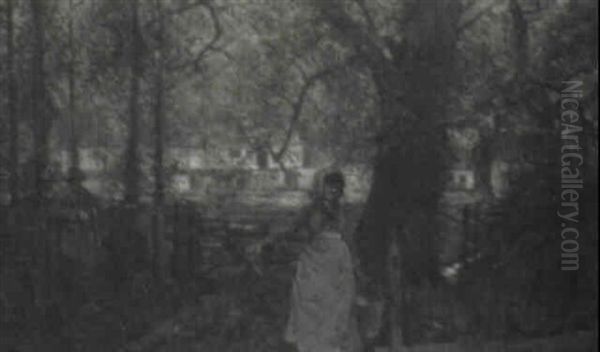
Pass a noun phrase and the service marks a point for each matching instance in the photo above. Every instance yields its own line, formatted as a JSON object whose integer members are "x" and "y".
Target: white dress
{"x": 323, "y": 293}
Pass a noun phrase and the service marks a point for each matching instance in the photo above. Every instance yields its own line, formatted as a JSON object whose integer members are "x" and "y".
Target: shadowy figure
{"x": 323, "y": 291}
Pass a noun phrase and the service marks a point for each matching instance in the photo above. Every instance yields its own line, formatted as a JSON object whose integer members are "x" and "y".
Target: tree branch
{"x": 217, "y": 33}
{"x": 364, "y": 42}
{"x": 210, "y": 46}
{"x": 297, "y": 108}
{"x": 473, "y": 19}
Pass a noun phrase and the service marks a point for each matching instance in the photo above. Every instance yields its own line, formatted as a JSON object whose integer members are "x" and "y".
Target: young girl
{"x": 324, "y": 288}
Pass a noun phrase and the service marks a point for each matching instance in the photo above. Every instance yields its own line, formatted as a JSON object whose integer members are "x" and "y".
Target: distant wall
{"x": 264, "y": 185}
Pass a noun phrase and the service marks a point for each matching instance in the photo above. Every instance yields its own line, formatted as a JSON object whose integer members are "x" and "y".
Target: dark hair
{"x": 334, "y": 178}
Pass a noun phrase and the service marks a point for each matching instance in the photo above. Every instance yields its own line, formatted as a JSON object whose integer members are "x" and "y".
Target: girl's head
{"x": 333, "y": 186}
{"x": 327, "y": 192}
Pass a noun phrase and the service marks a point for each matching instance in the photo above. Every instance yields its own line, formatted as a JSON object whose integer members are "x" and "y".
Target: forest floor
{"x": 238, "y": 310}
{"x": 183, "y": 333}
{"x": 249, "y": 314}
{"x": 232, "y": 308}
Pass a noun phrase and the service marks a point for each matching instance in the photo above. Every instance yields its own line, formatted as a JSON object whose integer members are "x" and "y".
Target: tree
{"x": 159, "y": 183}
{"x": 280, "y": 81}
{"x": 136, "y": 68}
{"x": 39, "y": 100}
{"x": 73, "y": 130}
{"x": 13, "y": 129}
{"x": 413, "y": 73}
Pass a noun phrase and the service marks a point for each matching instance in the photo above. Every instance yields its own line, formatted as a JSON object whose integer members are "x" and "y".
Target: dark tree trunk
{"x": 132, "y": 157}
{"x": 159, "y": 142}
{"x": 410, "y": 170}
{"x": 413, "y": 84}
{"x": 159, "y": 114}
{"x": 13, "y": 119}
{"x": 519, "y": 40}
{"x": 159, "y": 256}
{"x": 41, "y": 122}
{"x": 73, "y": 130}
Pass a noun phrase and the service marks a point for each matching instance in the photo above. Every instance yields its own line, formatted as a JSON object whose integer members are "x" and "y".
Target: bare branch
{"x": 211, "y": 45}
{"x": 464, "y": 25}
{"x": 299, "y": 102}
{"x": 217, "y": 33}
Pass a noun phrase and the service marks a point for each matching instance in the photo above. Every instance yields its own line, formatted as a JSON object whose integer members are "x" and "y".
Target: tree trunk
{"x": 159, "y": 114}
{"x": 161, "y": 266}
{"x": 74, "y": 170}
{"x": 519, "y": 40}
{"x": 413, "y": 81}
{"x": 41, "y": 123}
{"x": 132, "y": 157}
{"x": 12, "y": 106}
{"x": 409, "y": 171}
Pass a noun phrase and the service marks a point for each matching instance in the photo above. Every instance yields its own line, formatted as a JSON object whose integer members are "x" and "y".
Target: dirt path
{"x": 574, "y": 342}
